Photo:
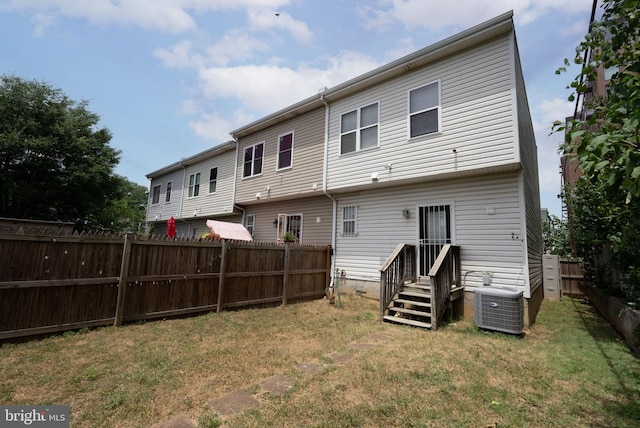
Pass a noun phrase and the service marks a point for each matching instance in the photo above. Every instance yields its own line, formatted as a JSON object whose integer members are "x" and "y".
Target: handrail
{"x": 399, "y": 268}
{"x": 443, "y": 276}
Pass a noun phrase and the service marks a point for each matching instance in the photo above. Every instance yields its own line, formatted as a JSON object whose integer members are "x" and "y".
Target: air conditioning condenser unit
{"x": 500, "y": 309}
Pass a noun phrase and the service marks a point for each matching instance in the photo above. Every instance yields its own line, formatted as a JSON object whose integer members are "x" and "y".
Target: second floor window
{"x": 213, "y": 180}
{"x": 285, "y": 151}
{"x": 359, "y": 129}
{"x": 155, "y": 195}
{"x": 167, "y": 197}
{"x": 424, "y": 110}
{"x": 194, "y": 185}
{"x": 253, "y": 160}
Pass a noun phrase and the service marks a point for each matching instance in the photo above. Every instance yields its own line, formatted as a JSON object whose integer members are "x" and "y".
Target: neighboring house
{"x": 193, "y": 190}
{"x": 434, "y": 148}
{"x": 280, "y": 175}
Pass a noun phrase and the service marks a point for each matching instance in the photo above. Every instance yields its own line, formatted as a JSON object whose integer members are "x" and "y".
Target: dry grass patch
{"x": 571, "y": 369}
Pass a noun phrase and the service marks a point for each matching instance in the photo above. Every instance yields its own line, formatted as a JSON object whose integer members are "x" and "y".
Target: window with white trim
{"x": 167, "y": 197}
{"x": 213, "y": 179}
{"x": 291, "y": 224}
{"x": 359, "y": 129}
{"x": 285, "y": 150}
{"x": 155, "y": 194}
{"x": 424, "y": 110}
{"x": 194, "y": 185}
{"x": 349, "y": 216}
{"x": 252, "y": 163}
{"x": 250, "y": 223}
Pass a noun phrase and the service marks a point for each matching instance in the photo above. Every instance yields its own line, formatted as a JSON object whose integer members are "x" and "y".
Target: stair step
{"x": 415, "y": 294}
{"x": 410, "y": 311}
{"x": 400, "y": 320}
{"x": 413, "y": 302}
{"x": 424, "y": 287}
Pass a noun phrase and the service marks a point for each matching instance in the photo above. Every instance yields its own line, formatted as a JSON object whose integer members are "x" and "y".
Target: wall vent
{"x": 500, "y": 309}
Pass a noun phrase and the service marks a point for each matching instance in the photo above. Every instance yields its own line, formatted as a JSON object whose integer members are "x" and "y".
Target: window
{"x": 359, "y": 129}
{"x": 349, "y": 214}
{"x": 155, "y": 196}
{"x": 250, "y": 223}
{"x": 213, "y": 180}
{"x": 167, "y": 197}
{"x": 285, "y": 150}
{"x": 424, "y": 110}
{"x": 253, "y": 160}
{"x": 291, "y": 223}
{"x": 194, "y": 185}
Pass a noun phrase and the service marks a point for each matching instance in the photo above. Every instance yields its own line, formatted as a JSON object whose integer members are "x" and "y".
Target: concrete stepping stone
{"x": 311, "y": 368}
{"x": 361, "y": 346}
{"x": 278, "y": 384}
{"x": 234, "y": 402}
{"x": 341, "y": 358}
{"x": 180, "y": 421}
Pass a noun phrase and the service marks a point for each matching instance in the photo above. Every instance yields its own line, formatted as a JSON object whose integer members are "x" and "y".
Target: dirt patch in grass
{"x": 570, "y": 369}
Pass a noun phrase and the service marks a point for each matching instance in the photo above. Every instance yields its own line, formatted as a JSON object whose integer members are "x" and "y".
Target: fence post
{"x": 122, "y": 281}
{"x": 285, "y": 274}
{"x": 223, "y": 272}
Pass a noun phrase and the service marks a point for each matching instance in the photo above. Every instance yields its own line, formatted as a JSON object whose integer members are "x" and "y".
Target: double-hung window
{"x": 194, "y": 185}
{"x": 167, "y": 197}
{"x": 424, "y": 110}
{"x": 250, "y": 223}
{"x": 285, "y": 150}
{"x": 213, "y": 179}
{"x": 359, "y": 129}
{"x": 349, "y": 216}
{"x": 253, "y": 160}
{"x": 155, "y": 196}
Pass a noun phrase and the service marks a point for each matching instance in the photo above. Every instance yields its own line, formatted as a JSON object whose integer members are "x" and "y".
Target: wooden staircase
{"x": 411, "y": 305}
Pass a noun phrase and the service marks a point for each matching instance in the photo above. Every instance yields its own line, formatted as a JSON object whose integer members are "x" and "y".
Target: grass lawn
{"x": 571, "y": 369}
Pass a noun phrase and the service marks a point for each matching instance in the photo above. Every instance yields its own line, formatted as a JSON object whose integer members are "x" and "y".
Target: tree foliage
{"x": 555, "y": 235}
{"x": 55, "y": 161}
{"x": 605, "y": 204}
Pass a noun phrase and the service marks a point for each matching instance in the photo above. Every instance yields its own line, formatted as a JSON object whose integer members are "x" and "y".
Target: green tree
{"x": 605, "y": 204}
{"x": 556, "y": 236}
{"x": 55, "y": 161}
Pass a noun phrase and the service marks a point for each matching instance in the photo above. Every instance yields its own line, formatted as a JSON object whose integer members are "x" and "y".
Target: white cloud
{"x": 215, "y": 127}
{"x": 180, "y": 55}
{"x": 461, "y": 13}
{"x": 234, "y": 47}
{"x": 269, "y": 87}
{"x": 263, "y": 20}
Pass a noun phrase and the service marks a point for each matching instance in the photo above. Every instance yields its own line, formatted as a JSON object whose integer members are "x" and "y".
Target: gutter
{"x": 325, "y": 168}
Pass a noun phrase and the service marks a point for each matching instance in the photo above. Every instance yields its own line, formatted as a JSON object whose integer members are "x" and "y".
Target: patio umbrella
{"x": 171, "y": 228}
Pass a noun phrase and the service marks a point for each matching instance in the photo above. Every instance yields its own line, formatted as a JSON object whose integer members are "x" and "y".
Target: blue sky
{"x": 171, "y": 78}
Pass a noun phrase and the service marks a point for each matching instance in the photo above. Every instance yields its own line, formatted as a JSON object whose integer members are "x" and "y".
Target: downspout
{"x": 325, "y": 167}
{"x": 235, "y": 180}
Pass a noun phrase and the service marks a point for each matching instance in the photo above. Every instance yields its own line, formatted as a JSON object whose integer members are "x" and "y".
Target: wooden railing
{"x": 444, "y": 277}
{"x": 399, "y": 268}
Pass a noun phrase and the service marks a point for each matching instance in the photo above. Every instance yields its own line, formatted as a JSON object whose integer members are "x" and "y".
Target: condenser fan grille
{"x": 500, "y": 309}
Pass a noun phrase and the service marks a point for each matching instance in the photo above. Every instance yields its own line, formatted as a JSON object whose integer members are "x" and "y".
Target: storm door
{"x": 435, "y": 231}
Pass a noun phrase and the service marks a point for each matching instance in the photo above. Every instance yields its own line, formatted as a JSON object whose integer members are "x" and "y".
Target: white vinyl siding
{"x": 307, "y": 162}
{"x": 171, "y": 208}
{"x": 476, "y": 120}
{"x": 485, "y": 223}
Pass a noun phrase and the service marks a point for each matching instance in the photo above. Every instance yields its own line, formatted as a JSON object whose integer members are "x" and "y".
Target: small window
{"x": 424, "y": 110}
{"x": 213, "y": 180}
{"x": 349, "y": 215}
{"x": 250, "y": 223}
{"x": 285, "y": 151}
{"x": 167, "y": 197}
{"x": 194, "y": 185}
{"x": 253, "y": 160}
{"x": 359, "y": 129}
{"x": 155, "y": 195}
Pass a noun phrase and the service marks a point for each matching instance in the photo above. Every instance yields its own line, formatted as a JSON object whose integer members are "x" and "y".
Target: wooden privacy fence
{"x": 572, "y": 277}
{"x": 55, "y": 284}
